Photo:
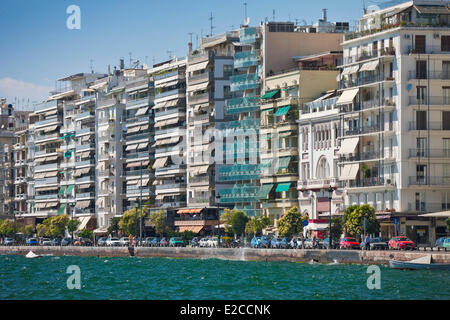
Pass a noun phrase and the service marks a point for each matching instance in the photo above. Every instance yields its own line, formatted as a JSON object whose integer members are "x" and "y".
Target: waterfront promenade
{"x": 239, "y": 254}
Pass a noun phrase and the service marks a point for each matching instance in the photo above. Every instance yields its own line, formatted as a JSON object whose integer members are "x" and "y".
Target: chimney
{"x": 122, "y": 64}
{"x": 324, "y": 14}
{"x": 189, "y": 47}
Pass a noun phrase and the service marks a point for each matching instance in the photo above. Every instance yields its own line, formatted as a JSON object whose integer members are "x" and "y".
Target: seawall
{"x": 241, "y": 254}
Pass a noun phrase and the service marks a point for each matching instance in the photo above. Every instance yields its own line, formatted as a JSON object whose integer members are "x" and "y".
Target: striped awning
{"x": 160, "y": 163}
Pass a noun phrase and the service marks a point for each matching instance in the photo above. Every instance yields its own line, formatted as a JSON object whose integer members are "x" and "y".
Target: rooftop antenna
{"x": 131, "y": 62}
{"x": 190, "y": 35}
{"x": 296, "y": 21}
{"x": 197, "y": 40}
{"x": 212, "y": 27}
{"x": 273, "y": 14}
{"x": 245, "y": 10}
{"x": 91, "y": 66}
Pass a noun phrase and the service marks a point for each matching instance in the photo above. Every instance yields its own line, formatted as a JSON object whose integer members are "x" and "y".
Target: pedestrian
{"x": 367, "y": 241}
{"x": 303, "y": 241}
{"x": 314, "y": 241}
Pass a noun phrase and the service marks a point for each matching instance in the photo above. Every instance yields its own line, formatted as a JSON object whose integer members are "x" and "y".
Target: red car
{"x": 401, "y": 243}
{"x": 349, "y": 243}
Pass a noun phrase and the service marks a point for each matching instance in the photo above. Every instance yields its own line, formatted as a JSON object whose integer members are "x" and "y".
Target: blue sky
{"x": 37, "y": 48}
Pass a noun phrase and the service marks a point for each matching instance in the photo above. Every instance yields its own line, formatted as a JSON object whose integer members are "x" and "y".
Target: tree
{"x": 238, "y": 221}
{"x": 114, "y": 225}
{"x": 86, "y": 234}
{"x": 28, "y": 230}
{"x": 9, "y": 228}
{"x": 256, "y": 225}
{"x": 130, "y": 221}
{"x": 354, "y": 221}
{"x": 72, "y": 226}
{"x": 337, "y": 227}
{"x": 53, "y": 226}
{"x": 348, "y": 211}
{"x": 291, "y": 223}
{"x": 158, "y": 220}
{"x": 41, "y": 230}
{"x": 225, "y": 219}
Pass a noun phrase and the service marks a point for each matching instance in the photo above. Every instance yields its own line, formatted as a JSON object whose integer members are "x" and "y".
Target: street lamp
{"x": 218, "y": 219}
{"x": 330, "y": 196}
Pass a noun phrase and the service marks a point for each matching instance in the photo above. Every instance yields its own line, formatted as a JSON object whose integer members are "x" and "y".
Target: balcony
{"x": 318, "y": 184}
{"x": 162, "y": 187}
{"x": 169, "y": 93}
{"x": 239, "y": 194}
{"x": 323, "y": 105}
{"x": 88, "y": 178}
{"x": 364, "y": 130}
{"x": 201, "y": 98}
{"x": 138, "y": 173}
{"x": 201, "y": 118}
{"x": 244, "y": 82}
{"x": 432, "y": 125}
{"x": 199, "y": 78}
{"x": 433, "y": 75}
{"x": 133, "y": 103}
{"x": 429, "y": 181}
{"x": 246, "y": 59}
{"x": 44, "y": 182}
{"x": 167, "y": 112}
{"x": 48, "y": 137}
{"x": 433, "y": 101}
{"x": 85, "y": 195}
{"x": 54, "y": 120}
{"x": 166, "y": 75}
{"x": 369, "y": 182}
{"x": 195, "y": 222}
{"x": 47, "y": 197}
{"x": 84, "y": 115}
{"x": 47, "y": 167}
{"x": 248, "y": 36}
{"x": 85, "y": 163}
{"x": 85, "y": 131}
{"x": 85, "y": 147}
{"x": 106, "y": 102}
{"x": 426, "y": 50}
{"x": 239, "y": 105}
{"x": 365, "y": 156}
{"x": 46, "y": 105}
{"x": 367, "y": 55}
{"x": 428, "y": 207}
{"x": 366, "y": 80}
{"x": 432, "y": 153}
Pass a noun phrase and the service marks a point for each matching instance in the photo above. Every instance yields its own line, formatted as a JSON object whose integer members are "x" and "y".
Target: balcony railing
{"x": 85, "y": 147}
{"x": 427, "y": 50}
{"x": 434, "y": 75}
{"x": 428, "y": 207}
{"x": 165, "y": 75}
{"x": 432, "y": 153}
{"x": 107, "y": 102}
{"x": 433, "y": 181}
{"x": 46, "y": 105}
{"x": 169, "y": 93}
{"x": 84, "y": 115}
{"x": 55, "y": 120}
{"x": 432, "y": 125}
{"x": 46, "y": 197}
{"x": 136, "y": 102}
{"x": 366, "y": 155}
{"x": 244, "y": 82}
{"x": 170, "y": 186}
{"x": 85, "y": 195}
{"x": 360, "y": 81}
{"x": 366, "y": 55}
{"x": 47, "y": 167}
{"x": 364, "y": 130}
{"x": 367, "y": 182}
{"x": 432, "y": 100}
{"x": 238, "y": 105}
{"x": 246, "y": 59}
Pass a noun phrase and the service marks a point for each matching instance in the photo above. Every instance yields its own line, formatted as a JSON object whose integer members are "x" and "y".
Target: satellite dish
{"x": 246, "y": 22}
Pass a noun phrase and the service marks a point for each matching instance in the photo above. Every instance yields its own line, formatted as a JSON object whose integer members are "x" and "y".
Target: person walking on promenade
{"x": 314, "y": 239}
{"x": 367, "y": 241}
{"x": 303, "y": 240}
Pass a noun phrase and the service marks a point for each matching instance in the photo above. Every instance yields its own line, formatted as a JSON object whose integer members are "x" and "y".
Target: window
{"x": 420, "y": 202}
{"x": 445, "y": 70}
{"x": 421, "y": 94}
{"x": 323, "y": 169}
{"x": 227, "y": 71}
{"x": 420, "y": 44}
{"x": 421, "y": 69}
{"x": 446, "y": 120}
{"x": 422, "y": 145}
{"x": 421, "y": 120}
{"x": 421, "y": 173}
{"x": 445, "y": 43}
{"x": 446, "y": 147}
{"x": 446, "y": 95}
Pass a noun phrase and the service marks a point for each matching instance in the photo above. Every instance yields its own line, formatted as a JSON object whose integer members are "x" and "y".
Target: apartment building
{"x": 138, "y": 155}
{"x": 6, "y": 159}
{"x": 393, "y": 116}
{"x": 208, "y": 85}
{"x": 170, "y": 144}
{"x": 280, "y": 105}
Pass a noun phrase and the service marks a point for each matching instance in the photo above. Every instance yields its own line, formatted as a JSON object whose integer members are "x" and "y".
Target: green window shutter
{"x": 283, "y": 187}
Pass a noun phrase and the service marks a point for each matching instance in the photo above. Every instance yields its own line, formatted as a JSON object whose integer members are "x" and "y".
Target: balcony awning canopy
{"x": 50, "y": 129}
{"x": 61, "y": 209}
{"x": 142, "y": 146}
{"x": 84, "y": 186}
{"x": 83, "y": 205}
{"x": 282, "y": 111}
{"x": 283, "y": 163}
{"x": 348, "y": 146}
{"x": 134, "y": 129}
{"x": 190, "y": 211}
{"x": 432, "y": 9}
{"x": 198, "y": 87}
{"x": 160, "y": 163}
{"x": 142, "y": 111}
{"x": 270, "y": 94}
{"x": 168, "y": 84}
{"x": 369, "y": 66}
{"x": 200, "y": 170}
{"x": 69, "y": 189}
{"x": 194, "y": 229}
{"x": 265, "y": 190}
{"x": 132, "y": 147}
{"x": 350, "y": 70}
{"x": 62, "y": 190}
{"x": 283, "y": 187}
{"x": 198, "y": 66}
{"x": 349, "y": 172}
{"x": 83, "y": 220}
{"x": 347, "y": 97}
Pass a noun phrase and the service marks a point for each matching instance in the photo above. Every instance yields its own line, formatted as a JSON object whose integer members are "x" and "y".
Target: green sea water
{"x": 160, "y": 278}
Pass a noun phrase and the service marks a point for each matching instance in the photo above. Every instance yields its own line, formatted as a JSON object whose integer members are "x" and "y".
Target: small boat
{"x": 425, "y": 262}
{"x": 32, "y": 255}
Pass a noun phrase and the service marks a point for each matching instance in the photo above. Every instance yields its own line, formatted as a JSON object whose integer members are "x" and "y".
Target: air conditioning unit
{"x": 407, "y": 36}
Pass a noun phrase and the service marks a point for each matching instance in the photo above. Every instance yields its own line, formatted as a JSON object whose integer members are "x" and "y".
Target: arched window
{"x": 323, "y": 169}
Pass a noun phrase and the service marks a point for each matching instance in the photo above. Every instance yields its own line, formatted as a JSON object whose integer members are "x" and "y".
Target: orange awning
{"x": 195, "y": 229}
{"x": 190, "y": 211}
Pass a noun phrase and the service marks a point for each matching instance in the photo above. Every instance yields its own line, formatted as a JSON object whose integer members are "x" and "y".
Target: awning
{"x": 51, "y": 113}
{"x": 51, "y": 174}
{"x": 349, "y": 172}
{"x": 444, "y": 214}
{"x": 283, "y": 187}
{"x": 136, "y": 164}
{"x": 197, "y": 67}
{"x": 190, "y": 211}
{"x": 160, "y": 163}
{"x": 142, "y": 146}
{"x": 194, "y": 229}
{"x": 348, "y": 146}
{"x": 347, "y": 97}
{"x": 77, "y": 173}
{"x": 132, "y": 147}
{"x": 171, "y": 103}
{"x": 62, "y": 190}
{"x": 50, "y": 129}
{"x": 198, "y": 87}
{"x": 350, "y": 70}
{"x": 270, "y": 94}
{"x": 168, "y": 84}
{"x": 265, "y": 190}
{"x": 369, "y": 66}
{"x": 83, "y": 204}
{"x": 282, "y": 111}
{"x": 142, "y": 111}
{"x": 202, "y": 169}
{"x": 44, "y": 188}
{"x": 83, "y": 222}
{"x": 432, "y": 9}
{"x": 314, "y": 226}
{"x": 166, "y": 141}
{"x": 134, "y": 129}
{"x": 69, "y": 189}
{"x": 98, "y": 85}
{"x": 84, "y": 186}
{"x": 132, "y": 182}
{"x": 51, "y": 204}
{"x": 143, "y": 128}
{"x": 283, "y": 163}
{"x": 61, "y": 209}
{"x": 324, "y": 97}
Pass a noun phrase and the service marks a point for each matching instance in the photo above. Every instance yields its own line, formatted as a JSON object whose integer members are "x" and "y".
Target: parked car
{"x": 203, "y": 243}
{"x": 195, "y": 242}
{"x": 255, "y": 243}
{"x": 83, "y": 242}
{"x": 124, "y": 241}
{"x": 101, "y": 242}
{"x": 310, "y": 245}
{"x": 163, "y": 242}
{"x": 265, "y": 243}
{"x": 440, "y": 242}
{"x": 401, "y": 243}
{"x": 275, "y": 243}
{"x": 349, "y": 243}
{"x": 147, "y": 242}
{"x": 326, "y": 241}
{"x": 9, "y": 241}
{"x": 46, "y": 242}
{"x": 447, "y": 244}
{"x": 375, "y": 244}
{"x": 284, "y": 243}
{"x": 155, "y": 242}
{"x": 32, "y": 242}
{"x": 113, "y": 242}
{"x": 176, "y": 242}
{"x": 66, "y": 242}
{"x": 56, "y": 242}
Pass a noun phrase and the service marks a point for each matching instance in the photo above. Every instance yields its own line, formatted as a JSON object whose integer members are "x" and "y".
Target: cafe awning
{"x": 194, "y": 229}
{"x": 348, "y": 146}
{"x": 347, "y": 97}
{"x": 349, "y": 172}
